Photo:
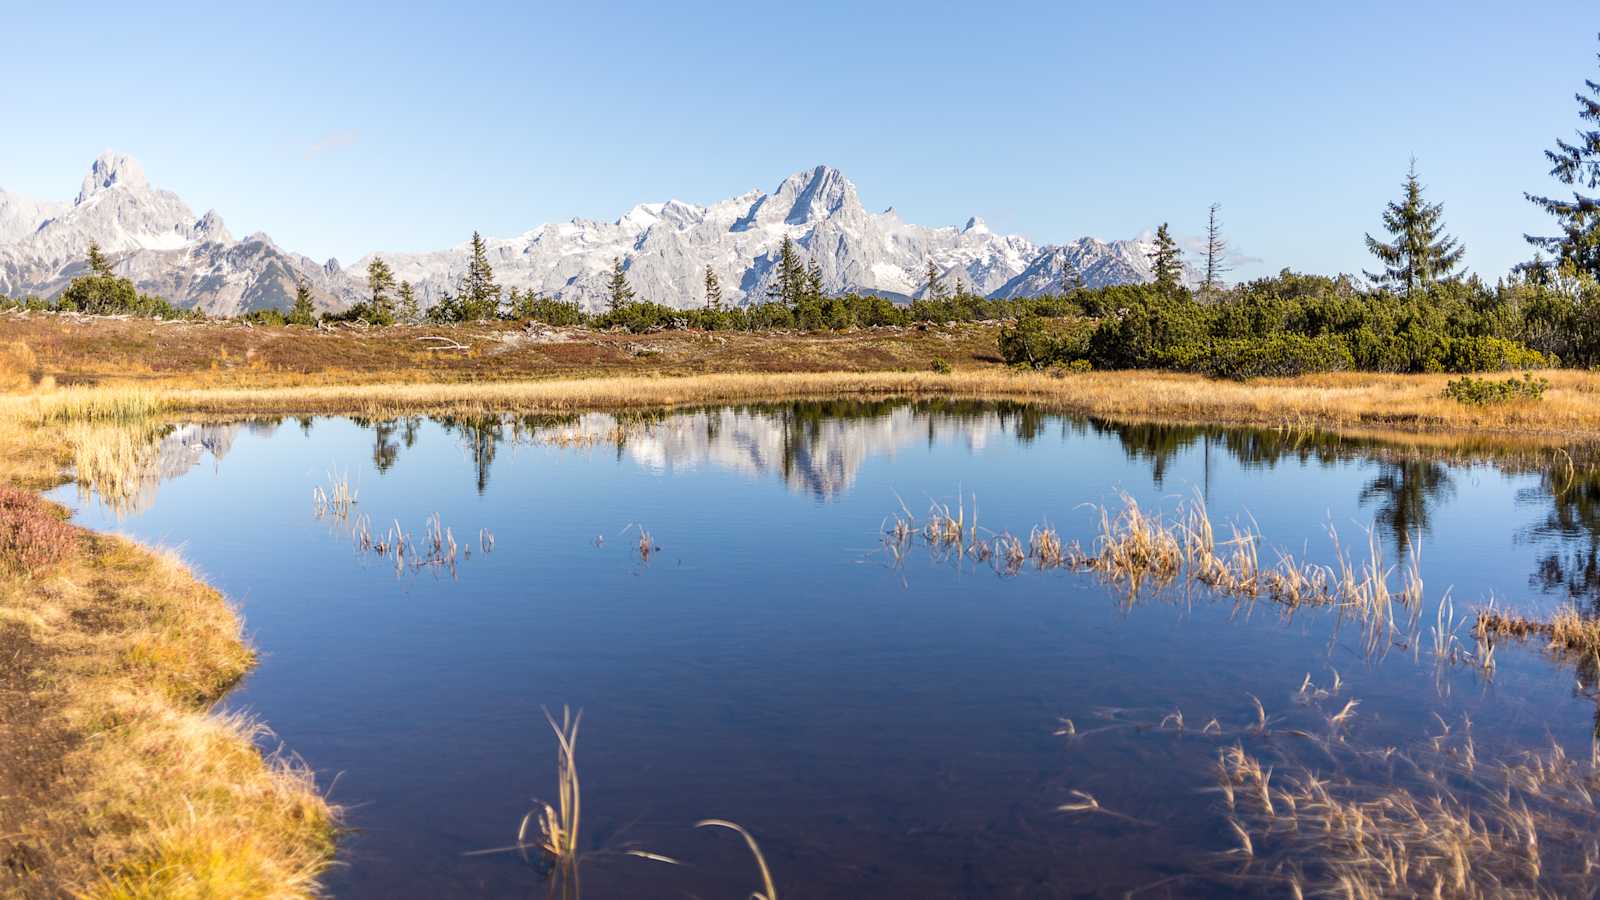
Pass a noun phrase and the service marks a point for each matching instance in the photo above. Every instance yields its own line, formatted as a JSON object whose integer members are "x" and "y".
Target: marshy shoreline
{"x": 119, "y": 651}
{"x": 120, "y": 777}
{"x": 233, "y": 368}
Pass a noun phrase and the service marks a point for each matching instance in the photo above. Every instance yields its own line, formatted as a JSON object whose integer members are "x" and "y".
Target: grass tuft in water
{"x": 1136, "y": 550}
{"x": 558, "y": 825}
{"x": 1567, "y": 631}
{"x": 769, "y": 890}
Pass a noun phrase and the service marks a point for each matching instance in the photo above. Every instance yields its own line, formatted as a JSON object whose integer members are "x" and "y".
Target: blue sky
{"x": 344, "y": 128}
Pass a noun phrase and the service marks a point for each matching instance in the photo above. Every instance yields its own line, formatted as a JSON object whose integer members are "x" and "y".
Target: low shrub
{"x": 268, "y": 317}
{"x": 535, "y": 308}
{"x": 1271, "y": 356}
{"x": 1487, "y": 391}
{"x": 940, "y": 366}
{"x": 1038, "y": 343}
{"x": 1490, "y": 354}
{"x": 33, "y": 536}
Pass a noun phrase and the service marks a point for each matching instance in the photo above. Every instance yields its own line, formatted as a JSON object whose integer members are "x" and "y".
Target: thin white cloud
{"x": 333, "y": 141}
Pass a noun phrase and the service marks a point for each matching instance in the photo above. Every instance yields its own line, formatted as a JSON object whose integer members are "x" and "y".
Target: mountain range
{"x": 155, "y": 239}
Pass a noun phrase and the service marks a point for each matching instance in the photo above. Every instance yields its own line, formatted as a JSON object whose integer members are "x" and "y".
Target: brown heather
{"x": 34, "y": 535}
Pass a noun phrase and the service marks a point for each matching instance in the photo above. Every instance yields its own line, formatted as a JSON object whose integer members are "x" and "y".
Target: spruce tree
{"x": 713, "y": 290}
{"x": 791, "y": 281}
{"x": 380, "y": 281}
{"x": 1576, "y": 165}
{"x": 479, "y": 296}
{"x": 814, "y": 281}
{"x": 302, "y": 312}
{"x": 1165, "y": 261}
{"x": 98, "y": 264}
{"x": 408, "y": 311}
{"x": 620, "y": 293}
{"x": 1216, "y": 251}
{"x": 1071, "y": 277}
{"x": 1420, "y": 253}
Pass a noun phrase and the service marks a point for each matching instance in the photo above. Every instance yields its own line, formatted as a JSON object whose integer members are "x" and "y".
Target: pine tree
{"x": 1165, "y": 262}
{"x": 380, "y": 281}
{"x": 408, "y": 311}
{"x": 1421, "y": 253}
{"x": 932, "y": 288}
{"x": 479, "y": 296}
{"x": 1216, "y": 252}
{"x": 1578, "y": 166}
{"x": 713, "y": 290}
{"x": 302, "y": 312}
{"x": 98, "y": 264}
{"x": 791, "y": 282}
{"x": 621, "y": 293}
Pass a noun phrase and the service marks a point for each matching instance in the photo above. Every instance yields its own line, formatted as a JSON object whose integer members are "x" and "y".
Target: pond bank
{"x": 119, "y": 779}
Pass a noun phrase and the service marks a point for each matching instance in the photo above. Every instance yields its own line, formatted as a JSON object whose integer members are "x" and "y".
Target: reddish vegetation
{"x": 33, "y": 535}
{"x": 79, "y": 350}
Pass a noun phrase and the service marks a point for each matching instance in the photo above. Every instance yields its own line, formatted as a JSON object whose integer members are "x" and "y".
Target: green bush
{"x": 1138, "y": 336}
{"x": 265, "y": 317}
{"x": 1486, "y": 391}
{"x": 1490, "y": 354}
{"x": 940, "y": 366}
{"x": 531, "y": 307}
{"x": 1039, "y": 343}
{"x": 1271, "y": 356}
{"x": 104, "y": 294}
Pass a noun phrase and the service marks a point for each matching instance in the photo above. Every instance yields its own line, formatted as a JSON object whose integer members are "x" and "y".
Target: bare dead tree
{"x": 1216, "y": 252}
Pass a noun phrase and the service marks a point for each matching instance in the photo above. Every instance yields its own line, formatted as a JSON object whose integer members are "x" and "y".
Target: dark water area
{"x": 884, "y": 729}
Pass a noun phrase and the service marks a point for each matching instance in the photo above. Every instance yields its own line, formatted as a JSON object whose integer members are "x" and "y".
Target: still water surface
{"x": 885, "y": 730}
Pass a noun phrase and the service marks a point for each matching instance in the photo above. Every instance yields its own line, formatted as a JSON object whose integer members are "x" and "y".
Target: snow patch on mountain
{"x": 154, "y": 238}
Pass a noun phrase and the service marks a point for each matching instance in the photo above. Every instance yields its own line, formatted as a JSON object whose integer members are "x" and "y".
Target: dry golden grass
{"x": 1354, "y": 402}
{"x": 1139, "y": 553}
{"x": 769, "y": 890}
{"x": 1465, "y": 828}
{"x": 1568, "y": 631}
{"x": 1345, "y": 401}
{"x": 155, "y": 796}
{"x": 158, "y": 797}
{"x": 17, "y": 365}
{"x": 559, "y": 824}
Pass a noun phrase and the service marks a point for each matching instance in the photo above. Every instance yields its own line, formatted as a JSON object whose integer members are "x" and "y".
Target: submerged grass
{"x": 1460, "y": 828}
{"x": 1435, "y": 818}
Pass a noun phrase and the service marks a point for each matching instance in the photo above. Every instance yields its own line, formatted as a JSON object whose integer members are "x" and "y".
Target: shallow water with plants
{"x": 763, "y": 619}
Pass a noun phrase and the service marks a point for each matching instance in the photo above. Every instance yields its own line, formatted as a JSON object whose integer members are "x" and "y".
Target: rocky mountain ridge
{"x": 156, "y": 240}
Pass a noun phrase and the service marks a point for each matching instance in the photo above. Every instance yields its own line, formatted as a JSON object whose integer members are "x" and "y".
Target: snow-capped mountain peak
{"x": 110, "y": 170}
{"x": 153, "y": 237}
